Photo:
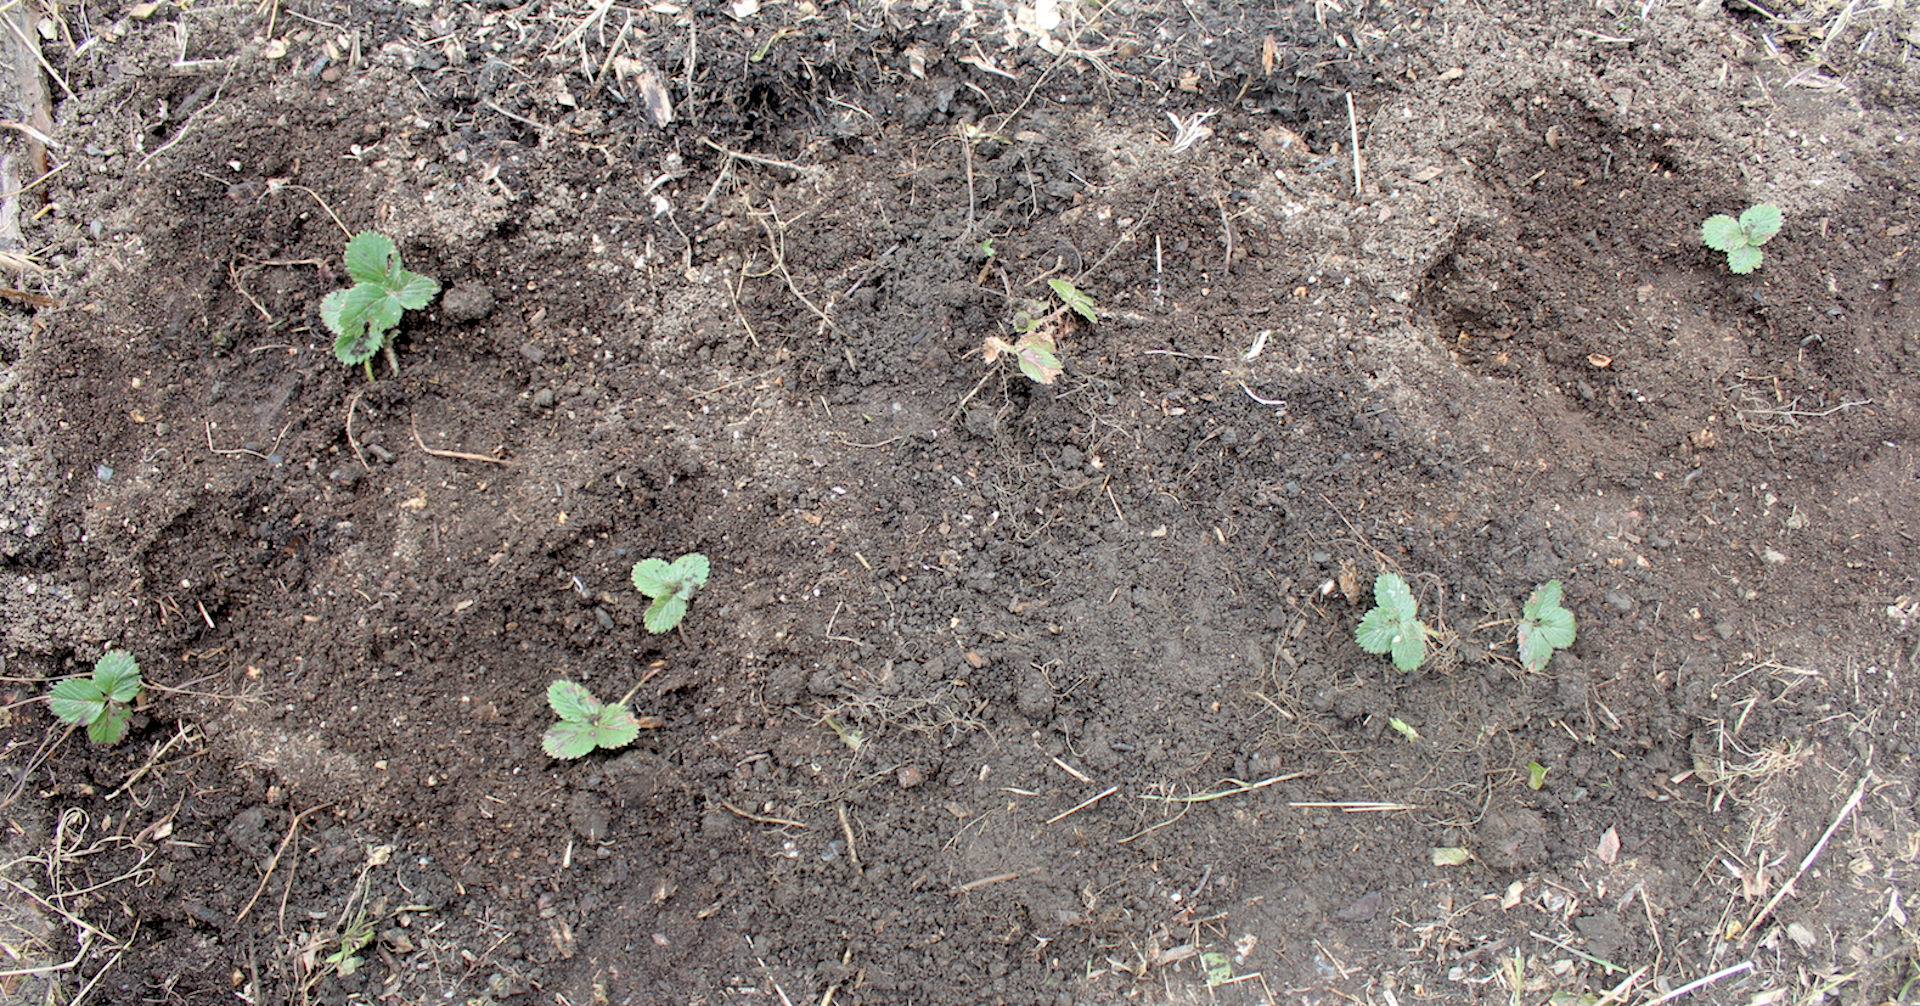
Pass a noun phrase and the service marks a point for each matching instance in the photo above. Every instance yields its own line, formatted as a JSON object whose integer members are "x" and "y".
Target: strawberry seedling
{"x": 671, "y": 585}
{"x": 1036, "y": 350}
{"x": 1544, "y": 626}
{"x": 1741, "y": 239}
{"x": 103, "y": 702}
{"x": 1394, "y": 626}
{"x": 362, "y": 318}
{"x": 586, "y": 722}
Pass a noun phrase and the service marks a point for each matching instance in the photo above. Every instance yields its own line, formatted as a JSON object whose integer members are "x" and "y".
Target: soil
{"x": 999, "y": 691}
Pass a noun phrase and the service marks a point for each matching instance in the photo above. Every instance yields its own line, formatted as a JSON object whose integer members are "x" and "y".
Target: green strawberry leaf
{"x": 77, "y": 701}
{"x": 1378, "y": 631}
{"x": 412, "y": 290}
{"x": 654, "y": 578}
{"x": 1073, "y": 297}
{"x": 615, "y": 727}
{"x": 572, "y": 702}
{"x": 1760, "y": 223}
{"x": 1392, "y": 593}
{"x": 372, "y": 258}
{"x": 1037, "y": 362}
{"x": 117, "y": 675}
{"x": 1743, "y": 260}
{"x": 1722, "y": 233}
{"x": 1410, "y": 647}
{"x": 690, "y": 571}
{"x": 665, "y": 612}
{"x": 1544, "y": 598}
{"x": 1557, "y": 628}
{"x": 569, "y": 739}
{"x": 1535, "y": 650}
{"x": 111, "y": 726}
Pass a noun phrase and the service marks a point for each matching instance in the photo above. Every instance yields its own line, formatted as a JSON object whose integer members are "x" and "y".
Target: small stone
{"x": 911, "y": 776}
{"x": 543, "y": 399}
{"x": 466, "y": 302}
{"x": 1619, "y": 601}
{"x": 1773, "y": 557}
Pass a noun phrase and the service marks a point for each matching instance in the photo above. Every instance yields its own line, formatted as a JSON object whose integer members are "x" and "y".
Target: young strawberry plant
{"x": 586, "y": 722}
{"x": 671, "y": 585}
{"x": 1741, "y": 239}
{"x": 1544, "y": 626}
{"x": 362, "y": 318}
{"x": 1037, "y": 349}
{"x": 102, "y": 703}
{"x": 1393, "y": 625}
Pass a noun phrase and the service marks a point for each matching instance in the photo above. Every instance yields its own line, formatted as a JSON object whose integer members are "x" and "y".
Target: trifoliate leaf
{"x": 1377, "y": 632}
{"x": 1545, "y": 626}
{"x": 111, "y": 726}
{"x": 1760, "y": 222}
{"x": 1743, "y": 259}
{"x": 1073, "y": 297}
{"x": 1722, "y": 233}
{"x": 665, "y": 612}
{"x": 606, "y": 726}
{"x": 117, "y": 675}
{"x": 77, "y": 700}
{"x": 372, "y": 258}
{"x": 654, "y": 578}
{"x": 690, "y": 571}
{"x": 572, "y": 702}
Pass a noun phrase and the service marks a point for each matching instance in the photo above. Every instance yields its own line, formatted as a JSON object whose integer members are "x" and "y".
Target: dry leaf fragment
{"x": 1512, "y": 897}
{"x": 1609, "y": 848}
{"x": 1600, "y": 360}
{"x": 1429, "y": 173}
{"x": 743, "y": 9}
{"x": 1269, "y": 51}
{"x": 142, "y": 11}
{"x": 653, "y": 92}
{"x": 917, "y": 61}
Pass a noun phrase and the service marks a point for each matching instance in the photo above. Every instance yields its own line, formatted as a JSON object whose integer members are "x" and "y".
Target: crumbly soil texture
{"x": 999, "y": 691}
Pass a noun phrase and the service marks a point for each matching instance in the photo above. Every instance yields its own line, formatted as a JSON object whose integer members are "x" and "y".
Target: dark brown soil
{"x": 999, "y": 692}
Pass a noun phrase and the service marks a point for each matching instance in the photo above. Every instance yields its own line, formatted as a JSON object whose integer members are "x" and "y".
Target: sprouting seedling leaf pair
{"x": 671, "y": 585}
{"x": 363, "y": 317}
{"x": 1545, "y": 626}
{"x": 1741, "y": 239}
{"x": 586, "y": 722}
{"x": 101, "y": 703}
{"x": 1393, "y": 625}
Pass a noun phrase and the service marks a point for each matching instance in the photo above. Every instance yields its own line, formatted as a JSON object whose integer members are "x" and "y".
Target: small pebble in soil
{"x": 911, "y": 776}
{"x": 543, "y": 399}
{"x": 466, "y": 302}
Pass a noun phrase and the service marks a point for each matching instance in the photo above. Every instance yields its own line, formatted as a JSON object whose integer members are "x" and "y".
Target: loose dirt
{"x": 999, "y": 691}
